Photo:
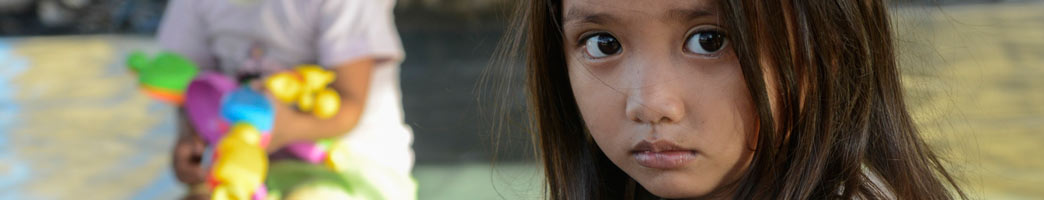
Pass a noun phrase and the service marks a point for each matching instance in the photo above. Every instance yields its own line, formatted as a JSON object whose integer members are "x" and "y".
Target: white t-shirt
{"x": 265, "y": 36}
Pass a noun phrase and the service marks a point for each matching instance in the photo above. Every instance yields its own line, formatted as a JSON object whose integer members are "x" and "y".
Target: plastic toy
{"x": 204, "y": 106}
{"x": 240, "y": 161}
{"x": 236, "y": 121}
{"x": 163, "y": 77}
{"x": 306, "y": 86}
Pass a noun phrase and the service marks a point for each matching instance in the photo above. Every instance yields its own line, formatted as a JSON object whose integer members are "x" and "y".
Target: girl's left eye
{"x": 706, "y": 42}
{"x": 601, "y": 45}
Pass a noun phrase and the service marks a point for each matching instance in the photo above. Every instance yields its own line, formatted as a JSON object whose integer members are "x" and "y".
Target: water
{"x": 12, "y": 170}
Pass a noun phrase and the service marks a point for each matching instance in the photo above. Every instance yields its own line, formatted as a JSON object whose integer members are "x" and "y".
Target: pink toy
{"x": 203, "y": 104}
{"x": 309, "y": 151}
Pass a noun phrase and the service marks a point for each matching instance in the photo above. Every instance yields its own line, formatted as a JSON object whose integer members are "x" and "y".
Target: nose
{"x": 654, "y": 96}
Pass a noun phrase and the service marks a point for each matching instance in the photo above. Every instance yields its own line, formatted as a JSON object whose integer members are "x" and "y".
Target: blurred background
{"x": 74, "y": 126}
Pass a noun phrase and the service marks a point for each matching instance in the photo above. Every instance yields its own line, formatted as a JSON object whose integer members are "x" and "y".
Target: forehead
{"x": 614, "y": 10}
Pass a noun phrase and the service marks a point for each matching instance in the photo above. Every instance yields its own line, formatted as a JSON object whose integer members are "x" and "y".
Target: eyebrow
{"x": 680, "y": 14}
{"x": 694, "y": 12}
{"x": 585, "y": 16}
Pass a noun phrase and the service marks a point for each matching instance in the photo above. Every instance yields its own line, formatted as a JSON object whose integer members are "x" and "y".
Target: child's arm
{"x": 352, "y": 83}
{"x": 354, "y": 38}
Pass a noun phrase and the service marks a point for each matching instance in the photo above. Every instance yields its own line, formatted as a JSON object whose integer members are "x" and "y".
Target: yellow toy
{"x": 306, "y": 86}
{"x": 239, "y": 169}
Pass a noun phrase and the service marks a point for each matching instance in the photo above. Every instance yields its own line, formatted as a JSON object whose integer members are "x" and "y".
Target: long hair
{"x": 842, "y": 117}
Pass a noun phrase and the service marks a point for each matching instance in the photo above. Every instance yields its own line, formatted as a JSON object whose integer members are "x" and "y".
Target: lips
{"x": 662, "y": 155}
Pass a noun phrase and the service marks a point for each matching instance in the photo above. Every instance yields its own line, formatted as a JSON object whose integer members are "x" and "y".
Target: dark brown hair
{"x": 841, "y": 111}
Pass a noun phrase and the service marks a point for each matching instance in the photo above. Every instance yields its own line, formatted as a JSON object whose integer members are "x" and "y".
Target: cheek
{"x": 730, "y": 133}
{"x": 602, "y": 107}
{"x": 729, "y": 116}
{"x": 730, "y": 125}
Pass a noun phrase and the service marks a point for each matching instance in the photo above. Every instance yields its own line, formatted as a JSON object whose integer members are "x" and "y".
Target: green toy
{"x": 164, "y": 76}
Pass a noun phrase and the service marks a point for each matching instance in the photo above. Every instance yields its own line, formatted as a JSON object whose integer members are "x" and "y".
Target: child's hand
{"x": 188, "y": 154}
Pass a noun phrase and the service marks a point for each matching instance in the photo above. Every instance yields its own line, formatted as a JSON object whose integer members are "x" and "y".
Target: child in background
{"x": 356, "y": 39}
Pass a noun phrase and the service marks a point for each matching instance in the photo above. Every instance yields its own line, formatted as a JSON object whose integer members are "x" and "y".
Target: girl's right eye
{"x": 706, "y": 42}
{"x": 602, "y": 45}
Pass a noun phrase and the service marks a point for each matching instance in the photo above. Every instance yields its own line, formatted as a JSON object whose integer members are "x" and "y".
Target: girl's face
{"x": 661, "y": 92}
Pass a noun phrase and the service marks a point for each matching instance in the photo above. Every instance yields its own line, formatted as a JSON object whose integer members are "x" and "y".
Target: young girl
{"x": 712, "y": 99}
{"x": 356, "y": 39}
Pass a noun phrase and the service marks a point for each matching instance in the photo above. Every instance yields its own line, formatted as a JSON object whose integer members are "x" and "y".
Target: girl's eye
{"x": 706, "y": 42}
{"x": 602, "y": 45}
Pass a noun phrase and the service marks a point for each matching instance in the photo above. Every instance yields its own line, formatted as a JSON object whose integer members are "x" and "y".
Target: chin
{"x": 675, "y": 186}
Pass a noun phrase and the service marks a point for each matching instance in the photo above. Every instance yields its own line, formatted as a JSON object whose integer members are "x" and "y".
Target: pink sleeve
{"x": 353, "y": 29}
{"x": 182, "y": 31}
